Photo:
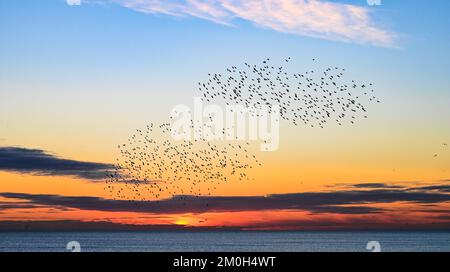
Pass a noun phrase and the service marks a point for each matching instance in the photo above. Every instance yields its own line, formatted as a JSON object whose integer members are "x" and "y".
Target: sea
{"x": 239, "y": 241}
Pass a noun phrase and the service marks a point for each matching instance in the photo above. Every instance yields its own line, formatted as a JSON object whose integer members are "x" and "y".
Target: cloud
{"x": 443, "y": 188}
{"x": 340, "y": 202}
{"x": 375, "y": 186}
{"x": 75, "y": 225}
{"x": 443, "y": 217}
{"x": 294, "y": 224}
{"x": 349, "y": 209}
{"x": 38, "y": 162}
{"x": 12, "y": 206}
{"x": 313, "y": 18}
{"x": 73, "y": 2}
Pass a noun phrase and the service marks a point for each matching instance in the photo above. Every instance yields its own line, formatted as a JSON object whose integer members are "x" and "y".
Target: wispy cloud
{"x": 39, "y": 162}
{"x": 376, "y": 186}
{"x": 313, "y": 18}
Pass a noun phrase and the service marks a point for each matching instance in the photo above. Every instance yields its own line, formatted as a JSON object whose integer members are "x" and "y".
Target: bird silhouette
{"x": 313, "y": 98}
{"x": 151, "y": 165}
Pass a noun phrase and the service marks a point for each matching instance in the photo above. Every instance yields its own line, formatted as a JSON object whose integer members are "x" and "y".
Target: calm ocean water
{"x": 225, "y": 241}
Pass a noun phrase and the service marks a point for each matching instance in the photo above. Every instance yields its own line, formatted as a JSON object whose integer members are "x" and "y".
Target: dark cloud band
{"x": 338, "y": 202}
{"x": 39, "y": 162}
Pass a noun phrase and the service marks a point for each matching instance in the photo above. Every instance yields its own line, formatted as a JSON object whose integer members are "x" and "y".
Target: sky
{"x": 77, "y": 78}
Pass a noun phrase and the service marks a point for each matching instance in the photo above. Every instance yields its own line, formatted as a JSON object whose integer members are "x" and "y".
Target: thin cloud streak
{"x": 375, "y": 186}
{"x": 312, "y": 18}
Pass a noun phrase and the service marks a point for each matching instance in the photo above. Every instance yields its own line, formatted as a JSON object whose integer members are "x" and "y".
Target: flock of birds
{"x": 444, "y": 145}
{"x": 153, "y": 166}
{"x": 313, "y": 98}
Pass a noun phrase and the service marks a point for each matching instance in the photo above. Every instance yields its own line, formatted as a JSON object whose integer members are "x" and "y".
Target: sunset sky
{"x": 77, "y": 78}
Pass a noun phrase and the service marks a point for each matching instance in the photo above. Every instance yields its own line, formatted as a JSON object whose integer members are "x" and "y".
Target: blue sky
{"x": 144, "y": 63}
{"x": 40, "y": 37}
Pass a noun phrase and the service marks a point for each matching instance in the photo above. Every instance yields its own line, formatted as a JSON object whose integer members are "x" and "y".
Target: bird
{"x": 296, "y": 93}
{"x": 151, "y": 165}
